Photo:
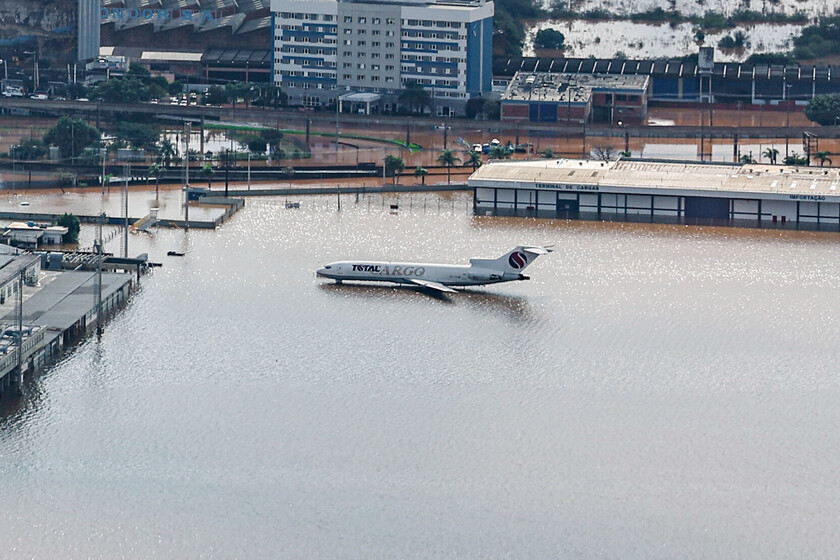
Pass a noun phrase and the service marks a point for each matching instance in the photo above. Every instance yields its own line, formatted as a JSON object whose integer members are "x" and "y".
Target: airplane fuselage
{"x": 409, "y": 273}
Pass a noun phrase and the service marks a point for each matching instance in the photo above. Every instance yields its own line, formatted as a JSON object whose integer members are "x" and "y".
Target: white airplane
{"x": 438, "y": 277}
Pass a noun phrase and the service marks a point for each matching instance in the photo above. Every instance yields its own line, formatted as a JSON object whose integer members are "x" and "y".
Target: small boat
{"x": 293, "y": 205}
{"x": 174, "y": 254}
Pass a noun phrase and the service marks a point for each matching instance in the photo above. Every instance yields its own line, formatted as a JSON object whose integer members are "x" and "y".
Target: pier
{"x": 43, "y": 311}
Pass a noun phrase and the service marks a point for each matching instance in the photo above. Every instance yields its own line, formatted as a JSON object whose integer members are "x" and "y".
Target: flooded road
{"x": 653, "y": 391}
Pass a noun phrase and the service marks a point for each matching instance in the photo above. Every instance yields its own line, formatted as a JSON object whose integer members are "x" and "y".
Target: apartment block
{"x": 359, "y": 55}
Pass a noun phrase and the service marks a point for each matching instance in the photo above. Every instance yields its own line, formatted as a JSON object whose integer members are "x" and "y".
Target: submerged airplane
{"x": 438, "y": 277}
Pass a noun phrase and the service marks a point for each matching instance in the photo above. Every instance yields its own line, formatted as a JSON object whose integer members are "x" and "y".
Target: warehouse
{"x": 661, "y": 191}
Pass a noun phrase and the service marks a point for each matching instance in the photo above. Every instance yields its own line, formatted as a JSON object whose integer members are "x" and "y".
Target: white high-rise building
{"x": 326, "y": 50}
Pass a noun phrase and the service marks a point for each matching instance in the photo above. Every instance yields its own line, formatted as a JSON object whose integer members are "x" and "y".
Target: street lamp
{"x": 787, "y": 118}
{"x": 626, "y": 138}
{"x": 5, "y": 68}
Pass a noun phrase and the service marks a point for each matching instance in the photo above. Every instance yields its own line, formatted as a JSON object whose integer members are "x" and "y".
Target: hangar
{"x": 749, "y": 195}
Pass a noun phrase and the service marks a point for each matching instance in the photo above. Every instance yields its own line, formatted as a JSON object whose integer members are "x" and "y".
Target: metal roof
{"x": 720, "y": 178}
{"x": 660, "y": 68}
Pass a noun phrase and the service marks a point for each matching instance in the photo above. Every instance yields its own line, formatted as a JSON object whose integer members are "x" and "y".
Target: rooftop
{"x": 726, "y": 178}
{"x": 569, "y": 88}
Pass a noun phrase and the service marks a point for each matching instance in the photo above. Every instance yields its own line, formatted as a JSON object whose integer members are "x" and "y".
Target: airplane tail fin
{"x": 515, "y": 260}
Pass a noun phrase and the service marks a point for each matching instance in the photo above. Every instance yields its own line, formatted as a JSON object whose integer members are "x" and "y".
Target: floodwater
{"x": 652, "y": 392}
{"x": 603, "y": 39}
{"x": 700, "y": 7}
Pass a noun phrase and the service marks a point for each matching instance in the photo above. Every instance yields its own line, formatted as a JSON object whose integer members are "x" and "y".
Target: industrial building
{"x": 686, "y": 81}
{"x": 661, "y": 191}
{"x": 575, "y": 98}
{"x": 327, "y": 48}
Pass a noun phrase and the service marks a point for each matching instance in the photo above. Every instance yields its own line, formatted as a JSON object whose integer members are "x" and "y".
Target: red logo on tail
{"x": 518, "y": 260}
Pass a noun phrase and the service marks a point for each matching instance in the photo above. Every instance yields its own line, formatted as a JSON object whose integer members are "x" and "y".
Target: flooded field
{"x": 605, "y": 39}
{"x": 700, "y": 7}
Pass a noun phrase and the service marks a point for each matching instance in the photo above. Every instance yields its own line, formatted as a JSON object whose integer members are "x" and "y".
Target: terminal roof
{"x": 646, "y": 174}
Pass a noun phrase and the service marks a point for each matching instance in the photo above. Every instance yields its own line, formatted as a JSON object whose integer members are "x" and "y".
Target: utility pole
{"x": 187, "y": 176}
{"x": 19, "y": 306}
{"x": 126, "y": 172}
{"x": 99, "y": 255}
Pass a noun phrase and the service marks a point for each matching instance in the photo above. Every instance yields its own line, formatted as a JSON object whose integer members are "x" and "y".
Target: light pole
{"x": 787, "y": 118}
{"x": 5, "y": 69}
{"x": 626, "y": 138}
{"x": 126, "y": 172}
{"x": 187, "y": 175}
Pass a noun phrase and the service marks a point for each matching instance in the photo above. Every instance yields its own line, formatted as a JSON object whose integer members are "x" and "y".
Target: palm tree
{"x": 154, "y": 170}
{"x": 823, "y": 157}
{"x": 394, "y": 165}
{"x": 447, "y": 159}
{"x": 165, "y": 151}
{"x": 421, "y": 172}
{"x": 474, "y": 159}
{"x": 207, "y": 172}
{"x": 499, "y": 152}
{"x": 771, "y": 154}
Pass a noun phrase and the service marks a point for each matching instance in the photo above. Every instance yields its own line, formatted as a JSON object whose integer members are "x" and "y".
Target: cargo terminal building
{"x": 660, "y": 191}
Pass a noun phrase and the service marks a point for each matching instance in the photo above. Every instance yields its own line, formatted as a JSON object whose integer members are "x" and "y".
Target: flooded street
{"x": 653, "y": 391}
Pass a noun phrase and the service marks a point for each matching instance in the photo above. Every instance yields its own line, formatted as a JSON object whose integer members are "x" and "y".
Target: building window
{"x": 376, "y": 21}
{"x": 375, "y": 32}
{"x": 348, "y": 19}
{"x": 374, "y": 43}
{"x": 362, "y": 20}
{"x": 389, "y": 21}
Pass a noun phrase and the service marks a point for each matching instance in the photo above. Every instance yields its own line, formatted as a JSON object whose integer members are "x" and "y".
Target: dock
{"x": 44, "y": 311}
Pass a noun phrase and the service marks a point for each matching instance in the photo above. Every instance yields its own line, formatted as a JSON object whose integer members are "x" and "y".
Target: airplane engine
{"x": 485, "y": 276}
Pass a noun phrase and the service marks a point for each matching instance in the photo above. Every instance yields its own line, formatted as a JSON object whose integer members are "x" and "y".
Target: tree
{"x": 795, "y": 159}
{"x": 421, "y": 172}
{"x": 393, "y": 166}
{"x": 771, "y": 154}
{"x": 29, "y": 149}
{"x": 746, "y": 158}
{"x": 206, "y": 172}
{"x": 606, "y": 153}
{"x": 824, "y": 109}
{"x": 216, "y": 95}
{"x": 139, "y": 136}
{"x": 447, "y": 159}
{"x": 823, "y": 157}
{"x": 549, "y": 39}
{"x": 165, "y": 151}
{"x": 73, "y": 226}
{"x": 474, "y": 159}
{"x": 272, "y": 137}
{"x": 72, "y": 136}
{"x": 548, "y": 153}
{"x": 154, "y": 171}
{"x": 415, "y": 97}
{"x": 499, "y": 152}
{"x": 256, "y": 145}
{"x": 122, "y": 90}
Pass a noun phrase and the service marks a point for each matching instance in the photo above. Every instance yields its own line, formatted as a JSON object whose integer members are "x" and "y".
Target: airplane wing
{"x": 432, "y": 285}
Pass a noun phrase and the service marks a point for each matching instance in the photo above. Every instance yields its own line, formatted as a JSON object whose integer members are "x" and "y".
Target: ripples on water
{"x": 652, "y": 391}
